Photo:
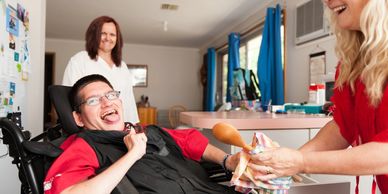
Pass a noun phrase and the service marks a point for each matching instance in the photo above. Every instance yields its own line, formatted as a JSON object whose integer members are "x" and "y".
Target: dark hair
{"x": 74, "y": 96}
{"x": 93, "y": 39}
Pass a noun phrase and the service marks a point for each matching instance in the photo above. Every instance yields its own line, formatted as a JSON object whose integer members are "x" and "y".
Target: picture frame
{"x": 140, "y": 74}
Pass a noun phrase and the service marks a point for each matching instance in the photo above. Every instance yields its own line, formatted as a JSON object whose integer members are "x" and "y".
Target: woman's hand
{"x": 136, "y": 144}
{"x": 277, "y": 162}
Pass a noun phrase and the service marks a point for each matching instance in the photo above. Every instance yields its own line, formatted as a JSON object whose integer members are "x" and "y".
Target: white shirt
{"x": 81, "y": 65}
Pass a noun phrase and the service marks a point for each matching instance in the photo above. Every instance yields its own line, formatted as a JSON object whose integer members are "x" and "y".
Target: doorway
{"x": 49, "y": 67}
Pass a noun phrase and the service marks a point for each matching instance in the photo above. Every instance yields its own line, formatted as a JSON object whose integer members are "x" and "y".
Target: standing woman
{"x": 361, "y": 103}
{"x": 103, "y": 56}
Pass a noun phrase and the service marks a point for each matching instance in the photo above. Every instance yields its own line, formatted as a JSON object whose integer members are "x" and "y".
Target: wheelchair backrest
{"x": 59, "y": 96}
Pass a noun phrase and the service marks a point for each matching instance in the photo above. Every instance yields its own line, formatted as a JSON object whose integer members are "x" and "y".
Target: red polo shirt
{"x": 359, "y": 121}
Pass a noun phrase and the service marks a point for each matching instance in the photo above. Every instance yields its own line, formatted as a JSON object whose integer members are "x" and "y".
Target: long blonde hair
{"x": 364, "y": 53}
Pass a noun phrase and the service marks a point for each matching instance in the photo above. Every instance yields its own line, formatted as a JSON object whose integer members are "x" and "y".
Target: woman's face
{"x": 347, "y": 12}
{"x": 108, "y": 37}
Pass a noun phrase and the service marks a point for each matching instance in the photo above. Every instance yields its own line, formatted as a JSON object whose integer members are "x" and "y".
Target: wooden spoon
{"x": 229, "y": 134}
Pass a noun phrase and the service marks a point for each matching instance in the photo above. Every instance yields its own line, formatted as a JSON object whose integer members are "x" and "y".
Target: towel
{"x": 243, "y": 175}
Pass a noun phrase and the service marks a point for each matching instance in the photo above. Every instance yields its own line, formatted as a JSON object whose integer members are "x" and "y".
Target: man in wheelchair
{"x": 110, "y": 156}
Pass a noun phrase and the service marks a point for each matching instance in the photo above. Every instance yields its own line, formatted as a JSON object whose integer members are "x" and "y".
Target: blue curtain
{"x": 211, "y": 80}
{"x": 233, "y": 61}
{"x": 270, "y": 68}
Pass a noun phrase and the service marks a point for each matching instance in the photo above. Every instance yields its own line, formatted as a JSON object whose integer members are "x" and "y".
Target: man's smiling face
{"x": 106, "y": 115}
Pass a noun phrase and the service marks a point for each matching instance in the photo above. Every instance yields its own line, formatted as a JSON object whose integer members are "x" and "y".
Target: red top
{"x": 79, "y": 162}
{"x": 359, "y": 122}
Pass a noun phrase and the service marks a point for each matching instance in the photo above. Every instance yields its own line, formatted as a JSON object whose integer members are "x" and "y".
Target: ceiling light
{"x": 166, "y": 6}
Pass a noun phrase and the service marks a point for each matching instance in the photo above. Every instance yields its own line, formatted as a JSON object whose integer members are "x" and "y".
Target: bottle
{"x": 321, "y": 94}
{"x": 313, "y": 94}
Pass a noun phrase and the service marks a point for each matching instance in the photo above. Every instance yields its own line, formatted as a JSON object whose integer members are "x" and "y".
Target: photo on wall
{"x": 139, "y": 73}
{"x": 12, "y": 21}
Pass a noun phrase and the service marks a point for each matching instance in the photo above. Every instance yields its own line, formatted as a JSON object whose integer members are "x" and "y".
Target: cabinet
{"x": 147, "y": 115}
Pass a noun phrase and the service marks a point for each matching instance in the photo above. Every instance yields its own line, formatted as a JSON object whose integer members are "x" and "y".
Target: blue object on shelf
{"x": 306, "y": 108}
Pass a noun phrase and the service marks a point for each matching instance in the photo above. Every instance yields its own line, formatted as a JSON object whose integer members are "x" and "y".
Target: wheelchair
{"x": 33, "y": 156}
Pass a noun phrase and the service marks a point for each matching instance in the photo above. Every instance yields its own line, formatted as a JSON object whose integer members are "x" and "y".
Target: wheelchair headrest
{"x": 59, "y": 96}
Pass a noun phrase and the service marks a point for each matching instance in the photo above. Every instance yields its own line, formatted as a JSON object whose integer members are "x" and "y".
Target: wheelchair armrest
{"x": 42, "y": 148}
{"x": 50, "y": 133}
{"x": 215, "y": 172}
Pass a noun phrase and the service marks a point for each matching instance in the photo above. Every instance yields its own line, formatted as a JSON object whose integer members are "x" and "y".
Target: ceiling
{"x": 194, "y": 24}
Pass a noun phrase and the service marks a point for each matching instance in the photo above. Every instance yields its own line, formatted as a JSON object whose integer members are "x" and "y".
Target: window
{"x": 249, "y": 54}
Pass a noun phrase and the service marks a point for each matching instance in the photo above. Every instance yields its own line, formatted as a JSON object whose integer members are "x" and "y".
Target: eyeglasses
{"x": 95, "y": 100}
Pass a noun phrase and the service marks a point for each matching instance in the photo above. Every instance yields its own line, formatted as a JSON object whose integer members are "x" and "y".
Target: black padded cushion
{"x": 59, "y": 96}
{"x": 42, "y": 148}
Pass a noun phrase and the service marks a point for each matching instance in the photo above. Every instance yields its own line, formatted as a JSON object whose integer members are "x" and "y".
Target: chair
{"x": 34, "y": 156}
{"x": 173, "y": 115}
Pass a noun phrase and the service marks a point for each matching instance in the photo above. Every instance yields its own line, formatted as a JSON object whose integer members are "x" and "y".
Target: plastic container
{"x": 313, "y": 99}
{"x": 317, "y": 94}
{"x": 321, "y": 97}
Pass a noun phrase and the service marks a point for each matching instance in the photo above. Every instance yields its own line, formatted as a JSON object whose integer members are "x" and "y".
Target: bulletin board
{"x": 15, "y": 64}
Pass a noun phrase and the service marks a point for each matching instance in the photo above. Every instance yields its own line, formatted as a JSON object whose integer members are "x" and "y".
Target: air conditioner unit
{"x": 310, "y": 21}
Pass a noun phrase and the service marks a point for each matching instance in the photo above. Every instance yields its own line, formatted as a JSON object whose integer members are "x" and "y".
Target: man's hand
{"x": 136, "y": 144}
{"x": 232, "y": 161}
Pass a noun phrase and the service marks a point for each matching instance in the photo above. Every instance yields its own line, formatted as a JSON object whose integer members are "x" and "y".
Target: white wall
{"x": 35, "y": 85}
{"x": 173, "y": 73}
{"x": 297, "y": 75}
{"x": 63, "y": 50}
{"x": 33, "y": 116}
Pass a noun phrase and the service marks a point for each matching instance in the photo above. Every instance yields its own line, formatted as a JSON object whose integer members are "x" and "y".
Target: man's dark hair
{"x": 74, "y": 96}
{"x": 93, "y": 39}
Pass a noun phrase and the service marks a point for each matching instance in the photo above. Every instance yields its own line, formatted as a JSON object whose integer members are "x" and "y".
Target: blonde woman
{"x": 361, "y": 103}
